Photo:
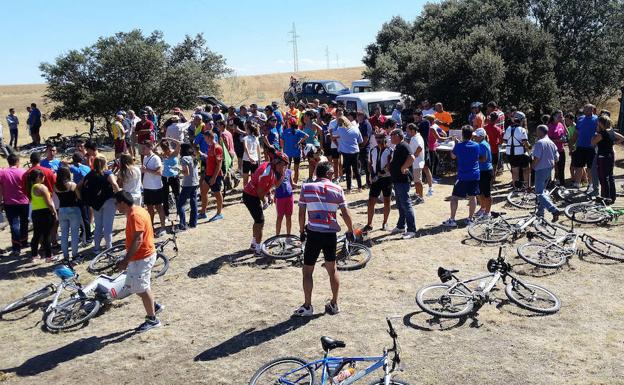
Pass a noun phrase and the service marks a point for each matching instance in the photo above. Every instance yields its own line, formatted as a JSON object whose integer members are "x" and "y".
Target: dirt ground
{"x": 228, "y": 312}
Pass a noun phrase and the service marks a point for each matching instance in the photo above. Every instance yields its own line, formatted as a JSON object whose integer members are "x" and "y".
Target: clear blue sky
{"x": 251, "y": 35}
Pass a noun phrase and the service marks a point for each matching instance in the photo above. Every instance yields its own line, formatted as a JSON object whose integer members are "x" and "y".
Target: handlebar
{"x": 396, "y": 360}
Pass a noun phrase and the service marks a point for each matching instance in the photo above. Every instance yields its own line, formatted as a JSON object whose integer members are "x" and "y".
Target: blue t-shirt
{"x": 201, "y": 142}
{"x": 485, "y": 150}
{"x": 273, "y": 138}
{"x": 467, "y": 154}
{"x": 280, "y": 121}
{"x": 79, "y": 172}
{"x": 348, "y": 140}
{"x": 586, "y": 129}
{"x": 53, "y": 164}
{"x": 291, "y": 138}
{"x": 285, "y": 189}
{"x": 170, "y": 166}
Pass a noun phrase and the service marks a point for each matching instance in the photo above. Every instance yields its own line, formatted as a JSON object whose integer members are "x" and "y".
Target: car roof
{"x": 375, "y": 96}
{"x": 322, "y": 81}
{"x": 361, "y": 82}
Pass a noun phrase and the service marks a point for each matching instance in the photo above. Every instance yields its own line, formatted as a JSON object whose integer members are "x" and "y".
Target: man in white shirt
{"x": 152, "y": 185}
{"x": 130, "y": 123}
{"x": 427, "y": 109}
{"x": 381, "y": 182}
{"x": 176, "y": 131}
{"x": 417, "y": 148}
{"x": 334, "y": 155}
{"x": 517, "y": 141}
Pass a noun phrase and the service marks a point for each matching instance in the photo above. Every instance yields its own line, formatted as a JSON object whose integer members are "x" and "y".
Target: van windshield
{"x": 386, "y": 106}
{"x": 334, "y": 86}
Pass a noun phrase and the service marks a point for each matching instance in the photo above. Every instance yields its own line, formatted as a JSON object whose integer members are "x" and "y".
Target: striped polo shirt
{"x": 322, "y": 199}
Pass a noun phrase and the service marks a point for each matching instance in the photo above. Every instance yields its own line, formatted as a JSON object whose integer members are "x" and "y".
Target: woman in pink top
{"x": 15, "y": 203}
{"x": 558, "y": 134}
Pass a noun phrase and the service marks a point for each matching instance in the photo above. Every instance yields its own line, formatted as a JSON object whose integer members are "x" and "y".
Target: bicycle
{"x": 349, "y": 255}
{"x": 458, "y": 300}
{"x": 596, "y": 211}
{"x": 107, "y": 259}
{"x": 334, "y": 370}
{"x": 527, "y": 199}
{"x": 498, "y": 228}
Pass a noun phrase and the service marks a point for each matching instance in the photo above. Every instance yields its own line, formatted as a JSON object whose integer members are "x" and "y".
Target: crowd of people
{"x": 175, "y": 163}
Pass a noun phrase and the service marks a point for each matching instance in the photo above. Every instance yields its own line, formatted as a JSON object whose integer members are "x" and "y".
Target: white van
{"x": 362, "y": 85}
{"x": 366, "y": 101}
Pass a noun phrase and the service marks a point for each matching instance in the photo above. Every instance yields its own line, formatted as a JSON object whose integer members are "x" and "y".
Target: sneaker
{"x": 332, "y": 309}
{"x": 367, "y": 228}
{"x": 469, "y": 221}
{"x": 252, "y": 247}
{"x": 384, "y": 227}
{"x": 14, "y": 253}
{"x": 486, "y": 216}
{"x": 148, "y": 325}
{"x": 158, "y": 308}
{"x": 54, "y": 258}
{"x": 181, "y": 228}
{"x": 479, "y": 213}
{"x": 418, "y": 200}
{"x": 409, "y": 235}
{"x": 202, "y": 216}
{"x": 265, "y": 205}
{"x": 449, "y": 223}
{"x": 398, "y": 230}
{"x": 216, "y": 218}
{"x": 435, "y": 180}
{"x": 590, "y": 190}
{"x": 258, "y": 250}
{"x": 430, "y": 192}
{"x": 160, "y": 233}
{"x": 303, "y": 312}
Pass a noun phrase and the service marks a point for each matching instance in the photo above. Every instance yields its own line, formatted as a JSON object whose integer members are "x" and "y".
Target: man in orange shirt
{"x": 443, "y": 118}
{"x": 140, "y": 257}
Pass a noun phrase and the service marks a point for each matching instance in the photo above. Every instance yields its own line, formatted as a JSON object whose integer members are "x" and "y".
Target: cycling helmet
{"x": 64, "y": 272}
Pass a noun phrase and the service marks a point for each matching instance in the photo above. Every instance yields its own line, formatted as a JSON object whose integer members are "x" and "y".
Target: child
{"x": 251, "y": 155}
{"x": 284, "y": 201}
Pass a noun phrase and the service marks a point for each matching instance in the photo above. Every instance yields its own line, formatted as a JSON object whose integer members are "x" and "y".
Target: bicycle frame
{"x": 71, "y": 283}
{"x": 493, "y": 279}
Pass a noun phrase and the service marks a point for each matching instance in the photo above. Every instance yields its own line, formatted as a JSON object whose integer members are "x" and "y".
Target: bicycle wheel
{"x": 282, "y": 247}
{"x": 28, "y": 299}
{"x": 106, "y": 260}
{"x": 161, "y": 266}
{"x": 491, "y": 231}
{"x": 605, "y": 248}
{"x": 353, "y": 258}
{"x": 285, "y": 370}
{"x": 392, "y": 382}
{"x": 619, "y": 187}
{"x": 532, "y": 297}
{"x": 548, "y": 256}
{"x": 522, "y": 199}
{"x": 440, "y": 300}
{"x": 548, "y": 229}
{"x": 586, "y": 212}
{"x": 72, "y": 312}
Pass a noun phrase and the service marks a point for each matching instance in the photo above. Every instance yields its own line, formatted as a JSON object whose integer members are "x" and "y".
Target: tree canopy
{"x": 533, "y": 54}
{"x": 131, "y": 70}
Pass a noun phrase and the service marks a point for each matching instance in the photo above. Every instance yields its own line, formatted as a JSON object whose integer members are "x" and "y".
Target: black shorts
{"x": 495, "y": 159}
{"x": 333, "y": 152}
{"x": 239, "y": 148}
{"x": 519, "y": 161}
{"x": 254, "y": 205}
{"x": 295, "y": 159}
{"x": 382, "y": 185}
{"x": 317, "y": 242}
{"x": 248, "y": 167}
{"x": 485, "y": 183}
{"x": 218, "y": 184}
{"x": 464, "y": 188}
{"x": 153, "y": 197}
{"x": 583, "y": 157}
{"x": 34, "y": 130}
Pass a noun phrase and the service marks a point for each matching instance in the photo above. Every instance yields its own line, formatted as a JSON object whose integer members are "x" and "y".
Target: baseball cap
{"x": 476, "y": 105}
{"x": 479, "y": 132}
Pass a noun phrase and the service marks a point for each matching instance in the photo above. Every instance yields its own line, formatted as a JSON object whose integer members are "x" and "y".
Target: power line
{"x": 293, "y": 41}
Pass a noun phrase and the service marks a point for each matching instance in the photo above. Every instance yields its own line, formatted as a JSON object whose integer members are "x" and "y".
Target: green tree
{"x": 131, "y": 70}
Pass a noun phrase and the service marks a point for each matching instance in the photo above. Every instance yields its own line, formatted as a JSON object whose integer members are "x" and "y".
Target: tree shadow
{"x": 79, "y": 348}
{"x": 252, "y": 337}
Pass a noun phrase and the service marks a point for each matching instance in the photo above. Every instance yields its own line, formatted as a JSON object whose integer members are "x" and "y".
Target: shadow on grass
{"x": 420, "y": 320}
{"x": 50, "y": 360}
{"x": 244, "y": 257}
{"x": 252, "y": 337}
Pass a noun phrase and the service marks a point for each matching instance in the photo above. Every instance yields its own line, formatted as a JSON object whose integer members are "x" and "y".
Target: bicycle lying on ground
{"x": 458, "y": 299}
{"x": 499, "y": 228}
{"x": 596, "y": 211}
{"x": 527, "y": 199}
{"x": 334, "y": 370}
{"x": 349, "y": 255}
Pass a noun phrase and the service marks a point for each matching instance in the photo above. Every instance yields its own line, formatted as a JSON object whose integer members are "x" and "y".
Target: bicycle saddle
{"x": 330, "y": 343}
{"x": 497, "y": 214}
{"x": 599, "y": 199}
{"x": 446, "y": 275}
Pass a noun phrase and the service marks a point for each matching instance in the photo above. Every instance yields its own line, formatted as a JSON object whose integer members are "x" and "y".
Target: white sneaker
{"x": 409, "y": 235}
{"x": 479, "y": 213}
{"x": 397, "y": 230}
{"x": 469, "y": 221}
{"x": 449, "y": 223}
{"x": 331, "y": 309}
{"x": 430, "y": 192}
{"x": 303, "y": 312}
{"x": 486, "y": 216}
{"x": 384, "y": 227}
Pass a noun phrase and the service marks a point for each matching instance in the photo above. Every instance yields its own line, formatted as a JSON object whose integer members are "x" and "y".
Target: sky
{"x": 251, "y": 35}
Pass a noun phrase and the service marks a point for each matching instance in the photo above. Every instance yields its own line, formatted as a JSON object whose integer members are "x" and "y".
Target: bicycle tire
{"x": 392, "y": 382}
{"x": 548, "y": 229}
{"x": 106, "y": 259}
{"x": 522, "y": 199}
{"x": 355, "y": 258}
{"x": 66, "y": 309}
{"x": 28, "y": 299}
{"x": 515, "y": 297}
{"x": 161, "y": 265}
{"x": 593, "y": 245}
{"x": 619, "y": 187}
{"x": 490, "y": 231}
{"x": 585, "y": 212}
{"x": 282, "y": 246}
{"x": 291, "y": 360}
{"x": 467, "y": 308}
{"x": 537, "y": 254}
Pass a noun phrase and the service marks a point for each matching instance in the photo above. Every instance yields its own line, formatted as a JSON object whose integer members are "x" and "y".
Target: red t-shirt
{"x": 263, "y": 177}
{"x": 145, "y": 131}
{"x": 215, "y": 154}
{"x": 377, "y": 121}
{"x": 495, "y": 136}
{"x": 49, "y": 177}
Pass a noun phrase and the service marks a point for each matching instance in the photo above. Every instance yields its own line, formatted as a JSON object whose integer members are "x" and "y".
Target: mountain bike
{"x": 596, "y": 211}
{"x": 458, "y": 299}
{"x": 106, "y": 260}
{"x": 333, "y": 370}
{"x": 349, "y": 255}
{"x": 527, "y": 199}
{"x": 499, "y": 228}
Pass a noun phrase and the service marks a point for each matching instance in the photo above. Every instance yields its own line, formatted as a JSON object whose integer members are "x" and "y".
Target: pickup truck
{"x": 323, "y": 90}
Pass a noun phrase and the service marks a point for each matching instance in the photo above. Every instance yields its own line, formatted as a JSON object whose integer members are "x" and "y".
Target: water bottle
{"x": 343, "y": 375}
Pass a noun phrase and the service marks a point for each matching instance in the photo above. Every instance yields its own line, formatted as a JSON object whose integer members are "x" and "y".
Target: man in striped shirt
{"x": 321, "y": 201}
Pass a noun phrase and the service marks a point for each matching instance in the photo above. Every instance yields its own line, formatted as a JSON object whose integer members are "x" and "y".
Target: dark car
{"x": 323, "y": 90}
{"x": 213, "y": 101}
